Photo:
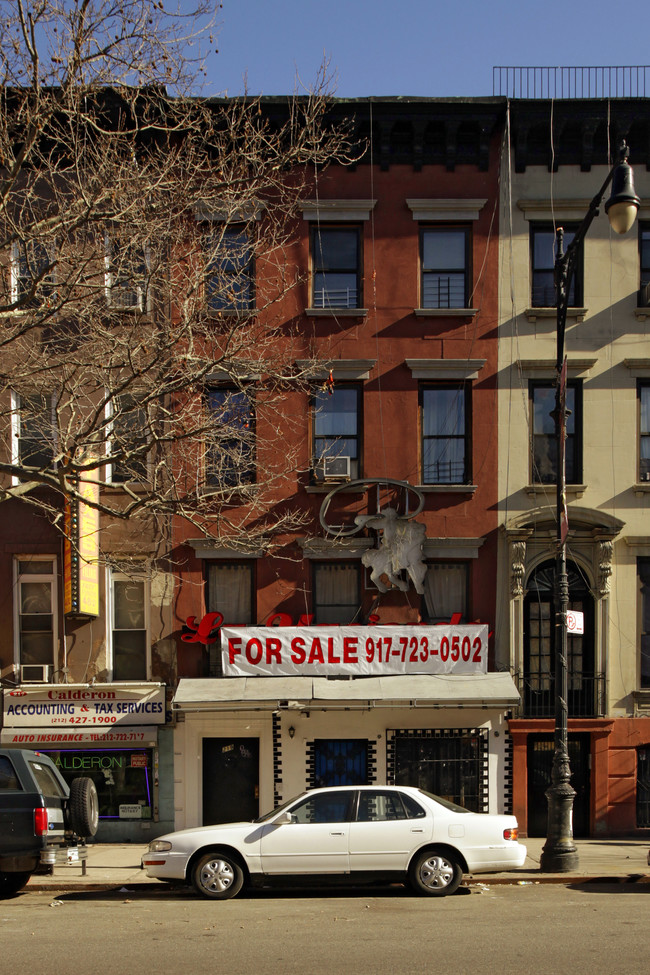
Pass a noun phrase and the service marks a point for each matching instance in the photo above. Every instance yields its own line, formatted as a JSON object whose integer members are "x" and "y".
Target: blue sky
{"x": 414, "y": 47}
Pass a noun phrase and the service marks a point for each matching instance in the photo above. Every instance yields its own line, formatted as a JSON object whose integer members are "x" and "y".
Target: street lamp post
{"x": 559, "y": 854}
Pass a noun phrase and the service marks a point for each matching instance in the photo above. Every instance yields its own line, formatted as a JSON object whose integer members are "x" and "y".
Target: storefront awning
{"x": 496, "y": 690}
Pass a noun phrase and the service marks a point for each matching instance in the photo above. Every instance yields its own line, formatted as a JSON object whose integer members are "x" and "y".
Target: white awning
{"x": 496, "y": 690}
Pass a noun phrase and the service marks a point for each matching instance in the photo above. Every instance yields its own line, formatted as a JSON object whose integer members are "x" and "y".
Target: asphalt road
{"x": 591, "y": 929}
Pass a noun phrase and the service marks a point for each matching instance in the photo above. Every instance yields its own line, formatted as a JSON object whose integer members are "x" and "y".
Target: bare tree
{"x": 145, "y": 232}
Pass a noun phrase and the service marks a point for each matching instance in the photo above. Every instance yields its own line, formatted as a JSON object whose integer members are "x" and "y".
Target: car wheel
{"x": 217, "y": 875}
{"x": 11, "y": 883}
{"x": 435, "y": 873}
{"x": 83, "y": 807}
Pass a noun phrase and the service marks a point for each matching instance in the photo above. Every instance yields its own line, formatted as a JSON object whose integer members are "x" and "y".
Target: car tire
{"x": 11, "y": 883}
{"x": 435, "y": 873}
{"x": 83, "y": 807}
{"x": 217, "y": 875}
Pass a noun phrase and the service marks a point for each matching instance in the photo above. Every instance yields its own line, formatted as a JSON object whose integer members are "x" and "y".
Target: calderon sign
{"x": 357, "y": 651}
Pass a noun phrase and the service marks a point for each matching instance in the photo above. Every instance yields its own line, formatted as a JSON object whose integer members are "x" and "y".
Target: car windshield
{"x": 273, "y": 812}
{"x": 445, "y": 802}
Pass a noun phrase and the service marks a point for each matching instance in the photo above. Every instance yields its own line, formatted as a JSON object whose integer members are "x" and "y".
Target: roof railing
{"x": 630, "y": 81}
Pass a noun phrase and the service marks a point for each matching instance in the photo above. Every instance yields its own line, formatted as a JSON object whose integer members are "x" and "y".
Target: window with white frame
{"x": 336, "y": 432}
{"x": 127, "y": 275}
{"x": 129, "y": 630}
{"x": 336, "y": 267}
{"x": 337, "y": 595}
{"x": 445, "y": 425}
{"x": 128, "y": 439}
{"x": 35, "y": 615}
{"x": 33, "y": 282}
{"x": 444, "y": 255}
{"x": 34, "y": 430}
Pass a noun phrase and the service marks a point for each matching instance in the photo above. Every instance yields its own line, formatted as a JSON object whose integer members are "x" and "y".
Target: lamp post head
{"x": 622, "y": 206}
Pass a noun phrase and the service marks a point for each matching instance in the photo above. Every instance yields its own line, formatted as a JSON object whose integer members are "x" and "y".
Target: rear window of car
{"x": 47, "y": 782}
{"x": 8, "y": 777}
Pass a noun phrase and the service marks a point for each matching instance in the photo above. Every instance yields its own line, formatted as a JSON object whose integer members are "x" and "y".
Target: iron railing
{"x": 630, "y": 81}
{"x": 585, "y": 697}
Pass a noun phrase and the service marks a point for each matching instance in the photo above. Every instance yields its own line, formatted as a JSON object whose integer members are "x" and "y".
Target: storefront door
{"x": 231, "y": 769}
{"x": 541, "y": 749}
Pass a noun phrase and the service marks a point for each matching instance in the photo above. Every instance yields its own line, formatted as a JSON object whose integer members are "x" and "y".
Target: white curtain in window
{"x": 229, "y": 592}
{"x": 445, "y": 590}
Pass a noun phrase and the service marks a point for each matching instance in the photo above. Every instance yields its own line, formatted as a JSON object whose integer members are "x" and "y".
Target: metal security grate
{"x": 629, "y": 81}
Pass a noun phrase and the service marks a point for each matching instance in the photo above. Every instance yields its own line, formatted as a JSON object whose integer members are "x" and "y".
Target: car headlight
{"x": 159, "y": 846}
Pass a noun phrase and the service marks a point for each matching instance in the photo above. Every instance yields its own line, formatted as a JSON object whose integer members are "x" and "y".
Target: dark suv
{"x": 42, "y": 819}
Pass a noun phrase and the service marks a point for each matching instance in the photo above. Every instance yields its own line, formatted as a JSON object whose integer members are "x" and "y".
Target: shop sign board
{"x": 83, "y": 706}
{"x": 357, "y": 651}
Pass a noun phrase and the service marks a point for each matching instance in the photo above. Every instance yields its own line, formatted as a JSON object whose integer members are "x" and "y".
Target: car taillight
{"x": 40, "y": 822}
{"x": 511, "y": 834}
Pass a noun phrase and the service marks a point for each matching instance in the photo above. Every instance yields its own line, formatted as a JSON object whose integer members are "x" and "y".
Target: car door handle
{"x": 417, "y": 829}
{"x": 337, "y": 832}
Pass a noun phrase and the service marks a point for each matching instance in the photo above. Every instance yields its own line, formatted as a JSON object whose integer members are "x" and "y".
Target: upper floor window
{"x": 543, "y": 253}
{"x": 336, "y": 432}
{"x": 336, "y": 592}
{"x": 445, "y": 429}
{"x": 229, "y": 269}
{"x": 643, "y": 575}
{"x": 230, "y": 591}
{"x": 446, "y": 591}
{"x": 444, "y": 255}
{"x": 336, "y": 267}
{"x": 35, "y": 615}
{"x": 129, "y": 627}
{"x": 33, "y": 273}
{"x": 544, "y": 442}
{"x": 129, "y": 440}
{"x": 644, "y": 253}
{"x": 34, "y": 429}
{"x": 643, "y": 392}
{"x": 230, "y": 452}
{"x": 127, "y": 275}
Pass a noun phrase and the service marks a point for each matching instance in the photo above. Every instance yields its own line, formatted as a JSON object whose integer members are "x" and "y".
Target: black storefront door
{"x": 540, "y": 761}
{"x": 231, "y": 774}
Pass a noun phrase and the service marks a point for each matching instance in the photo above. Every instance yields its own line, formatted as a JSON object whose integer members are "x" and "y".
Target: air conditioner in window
{"x": 35, "y": 673}
{"x": 336, "y": 468}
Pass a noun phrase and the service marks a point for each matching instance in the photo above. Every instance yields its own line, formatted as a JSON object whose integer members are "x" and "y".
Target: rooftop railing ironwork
{"x": 630, "y": 81}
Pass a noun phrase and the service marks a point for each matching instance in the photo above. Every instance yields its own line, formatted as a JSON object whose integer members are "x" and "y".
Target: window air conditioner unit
{"x": 336, "y": 468}
{"x": 35, "y": 673}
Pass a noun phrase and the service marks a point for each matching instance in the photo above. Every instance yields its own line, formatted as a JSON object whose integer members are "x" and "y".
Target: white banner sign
{"x": 358, "y": 651}
{"x": 82, "y": 706}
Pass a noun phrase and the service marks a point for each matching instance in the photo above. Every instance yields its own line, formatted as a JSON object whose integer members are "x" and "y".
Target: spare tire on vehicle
{"x": 83, "y": 807}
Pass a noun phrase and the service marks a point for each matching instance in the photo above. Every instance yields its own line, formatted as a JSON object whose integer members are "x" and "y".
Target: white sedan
{"x": 363, "y": 833}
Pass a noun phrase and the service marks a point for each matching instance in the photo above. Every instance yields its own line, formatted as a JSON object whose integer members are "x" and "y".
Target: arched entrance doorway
{"x": 539, "y": 669}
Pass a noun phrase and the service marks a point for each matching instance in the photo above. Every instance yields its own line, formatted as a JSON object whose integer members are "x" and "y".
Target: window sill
{"x": 532, "y": 314}
{"x": 642, "y": 699}
{"x": 641, "y": 488}
{"x": 336, "y": 312}
{"x": 574, "y": 490}
{"x": 230, "y": 312}
{"x": 446, "y": 312}
{"x": 642, "y": 313}
{"x": 328, "y": 486}
{"x": 447, "y": 488}
{"x": 242, "y": 490}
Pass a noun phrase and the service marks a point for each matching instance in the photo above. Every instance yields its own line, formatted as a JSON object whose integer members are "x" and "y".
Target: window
{"x": 127, "y": 273}
{"x": 544, "y": 443}
{"x": 229, "y": 270}
{"x": 644, "y": 253}
{"x": 121, "y": 777}
{"x": 36, "y": 622}
{"x": 451, "y": 764}
{"x": 339, "y": 762}
{"x": 444, "y": 253}
{"x": 445, "y": 592}
{"x": 336, "y": 262}
{"x": 34, "y": 427}
{"x": 643, "y": 575}
{"x": 336, "y": 414}
{"x": 129, "y": 627}
{"x": 542, "y": 247}
{"x": 643, "y": 392}
{"x": 444, "y": 422}
{"x": 230, "y": 591}
{"x": 386, "y": 807}
{"x": 230, "y": 453}
{"x": 325, "y": 807}
{"x": 336, "y": 592}
{"x": 129, "y": 440}
{"x": 33, "y": 273}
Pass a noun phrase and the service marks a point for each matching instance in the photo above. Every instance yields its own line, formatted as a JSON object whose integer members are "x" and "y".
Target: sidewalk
{"x": 113, "y": 866}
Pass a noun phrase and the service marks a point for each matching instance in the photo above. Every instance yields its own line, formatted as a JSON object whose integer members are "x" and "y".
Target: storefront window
{"x": 123, "y": 779}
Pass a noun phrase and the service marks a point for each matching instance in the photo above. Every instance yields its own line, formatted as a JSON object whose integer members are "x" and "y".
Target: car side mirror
{"x": 283, "y": 818}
